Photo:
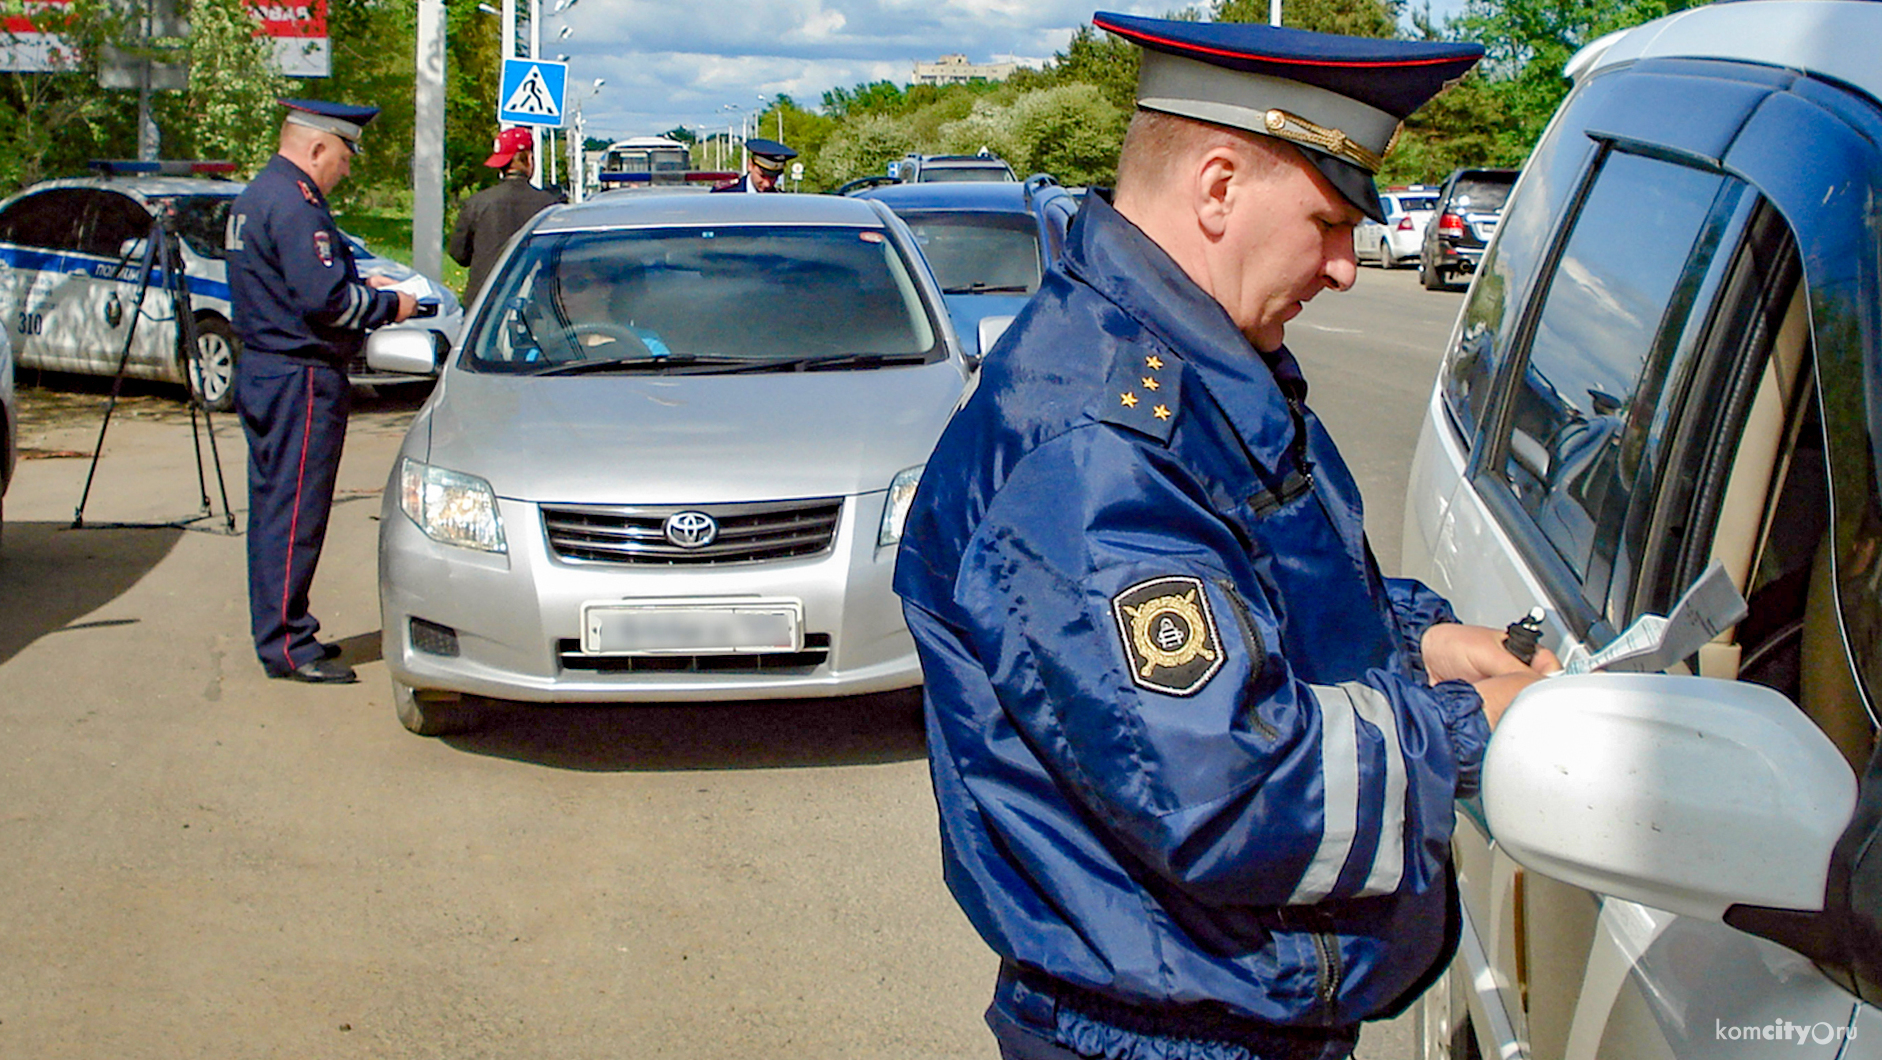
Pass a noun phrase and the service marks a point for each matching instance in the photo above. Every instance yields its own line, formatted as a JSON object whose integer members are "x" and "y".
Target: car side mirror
{"x": 990, "y": 330}
{"x": 406, "y": 351}
{"x": 1687, "y": 794}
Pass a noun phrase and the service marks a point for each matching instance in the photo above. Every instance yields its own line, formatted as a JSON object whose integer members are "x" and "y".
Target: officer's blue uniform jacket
{"x": 293, "y": 286}
{"x": 1193, "y": 781}
{"x": 301, "y": 312}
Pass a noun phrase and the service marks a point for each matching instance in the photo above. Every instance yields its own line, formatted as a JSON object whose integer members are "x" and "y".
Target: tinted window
{"x": 52, "y": 219}
{"x": 760, "y": 294}
{"x": 979, "y": 251}
{"x": 1488, "y": 325}
{"x": 1610, "y": 321}
{"x": 115, "y": 219}
{"x": 200, "y": 220}
{"x": 1479, "y": 194}
{"x": 1408, "y": 203}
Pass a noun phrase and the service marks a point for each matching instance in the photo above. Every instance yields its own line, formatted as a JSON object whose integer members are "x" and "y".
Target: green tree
{"x": 52, "y": 123}
{"x": 1355, "y": 18}
{"x": 860, "y": 147}
{"x": 229, "y": 110}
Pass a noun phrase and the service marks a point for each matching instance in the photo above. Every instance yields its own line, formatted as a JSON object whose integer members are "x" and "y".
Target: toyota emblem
{"x": 690, "y": 529}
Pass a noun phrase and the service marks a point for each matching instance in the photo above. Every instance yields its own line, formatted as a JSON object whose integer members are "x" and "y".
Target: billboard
{"x": 298, "y": 29}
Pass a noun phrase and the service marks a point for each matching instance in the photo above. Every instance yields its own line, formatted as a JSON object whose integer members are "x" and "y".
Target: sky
{"x": 667, "y": 63}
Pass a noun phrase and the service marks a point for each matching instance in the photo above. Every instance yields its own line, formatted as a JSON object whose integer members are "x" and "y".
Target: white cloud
{"x": 671, "y": 63}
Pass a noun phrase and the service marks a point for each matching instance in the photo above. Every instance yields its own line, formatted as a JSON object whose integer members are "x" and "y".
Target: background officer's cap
{"x": 1339, "y": 98}
{"x": 769, "y": 154}
{"x": 341, "y": 119}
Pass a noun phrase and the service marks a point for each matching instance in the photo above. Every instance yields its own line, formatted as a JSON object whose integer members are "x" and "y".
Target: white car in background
{"x": 70, "y": 252}
{"x": 1407, "y": 211}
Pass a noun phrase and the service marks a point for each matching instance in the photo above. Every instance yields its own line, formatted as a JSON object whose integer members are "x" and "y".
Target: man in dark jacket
{"x": 490, "y": 217}
{"x": 302, "y": 312}
{"x": 764, "y": 167}
{"x": 1195, "y": 758}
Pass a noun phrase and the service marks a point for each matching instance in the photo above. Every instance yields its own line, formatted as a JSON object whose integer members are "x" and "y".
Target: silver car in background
{"x": 669, "y": 462}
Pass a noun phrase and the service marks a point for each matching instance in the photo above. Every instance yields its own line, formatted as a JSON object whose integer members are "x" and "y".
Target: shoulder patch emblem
{"x": 323, "y": 248}
{"x": 1169, "y": 634}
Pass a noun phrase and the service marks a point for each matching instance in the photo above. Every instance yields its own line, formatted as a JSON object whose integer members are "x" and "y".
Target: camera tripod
{"x": 162, "y": 264}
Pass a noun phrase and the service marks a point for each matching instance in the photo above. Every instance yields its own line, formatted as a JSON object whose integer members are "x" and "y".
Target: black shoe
{"x": 331, "y": 651}
{"x": 321, "y": 672}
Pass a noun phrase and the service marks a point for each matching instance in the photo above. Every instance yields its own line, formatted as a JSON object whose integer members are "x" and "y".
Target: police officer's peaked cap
{"x": 341, "y": 119}
{"x": 1340, "y": 98}
{"x": 769, "y": 154}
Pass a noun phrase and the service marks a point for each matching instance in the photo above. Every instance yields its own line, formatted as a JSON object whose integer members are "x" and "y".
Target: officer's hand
{"x": 1498, "y": 691}
{"x": 408, "y": 304}
{"x": 1456, "y": 652}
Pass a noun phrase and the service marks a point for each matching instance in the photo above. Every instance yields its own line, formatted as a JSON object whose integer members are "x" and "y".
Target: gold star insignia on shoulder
{"x": 1153, "y": 362}
{"x": 1162, "y": 412}
{"x": 1128, "y": 400}
{"x": 1150, "y": 382}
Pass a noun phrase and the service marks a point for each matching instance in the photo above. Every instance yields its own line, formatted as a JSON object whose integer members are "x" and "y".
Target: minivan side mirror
{"x": 406, "y": 351}
{"x": 990, "y": 330}
{"x": 1687, "y": 794}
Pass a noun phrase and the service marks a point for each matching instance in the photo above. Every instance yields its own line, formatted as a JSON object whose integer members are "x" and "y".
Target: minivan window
{"x": 1487, "y": 326}
{"x": 705, "y": 298}
{"x": 1615, "y": 304}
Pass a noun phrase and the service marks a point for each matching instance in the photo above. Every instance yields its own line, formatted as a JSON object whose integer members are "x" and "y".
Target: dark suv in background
{"x": 1462, "y": 224}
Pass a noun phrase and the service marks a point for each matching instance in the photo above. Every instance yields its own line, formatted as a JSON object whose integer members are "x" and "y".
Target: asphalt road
{"x": 202, "y": 862}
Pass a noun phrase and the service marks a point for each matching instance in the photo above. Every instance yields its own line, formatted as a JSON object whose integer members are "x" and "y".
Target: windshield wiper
{"x": 657, "y": 363}
{"x": 822, "y": 361}
{"x": 987, "y": 288}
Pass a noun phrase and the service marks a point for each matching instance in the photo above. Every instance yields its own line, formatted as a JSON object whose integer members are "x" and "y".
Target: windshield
{"x": 742, "y": 298}
{"x": 978, "y": 253}
{"x": 982, "y": 174}
{"x": 1408, "y": 203}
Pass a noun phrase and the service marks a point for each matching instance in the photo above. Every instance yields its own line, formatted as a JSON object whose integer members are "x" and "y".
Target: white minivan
{"x": 1670, "y": 362}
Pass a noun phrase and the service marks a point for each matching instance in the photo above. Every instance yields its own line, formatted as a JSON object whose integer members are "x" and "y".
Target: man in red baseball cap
{"x": 490, "y": 217}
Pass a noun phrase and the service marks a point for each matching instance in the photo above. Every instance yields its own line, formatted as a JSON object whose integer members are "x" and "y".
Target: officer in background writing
{"x": 490, "y": 217}
{"x": 763, "y": 168}
{"x": 302, "y": 312}
{"x": 1195, "y": 758}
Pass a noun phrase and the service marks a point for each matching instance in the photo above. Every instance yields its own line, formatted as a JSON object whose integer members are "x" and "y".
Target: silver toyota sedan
{"x": 669, "y": 461}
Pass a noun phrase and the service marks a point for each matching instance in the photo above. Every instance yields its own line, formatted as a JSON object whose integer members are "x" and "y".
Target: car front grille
{"x": 747, "y": 533}
{"x": 816, "y": 650}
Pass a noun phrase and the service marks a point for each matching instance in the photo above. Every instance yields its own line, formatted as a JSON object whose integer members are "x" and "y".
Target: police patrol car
{"x": 70, "y": 250}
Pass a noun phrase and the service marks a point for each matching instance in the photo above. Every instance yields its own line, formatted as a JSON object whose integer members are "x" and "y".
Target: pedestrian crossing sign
{"x": 532, "y": 92}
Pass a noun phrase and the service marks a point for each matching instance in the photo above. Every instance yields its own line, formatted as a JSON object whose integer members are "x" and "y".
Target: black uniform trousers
{"x": 294, "y": 412}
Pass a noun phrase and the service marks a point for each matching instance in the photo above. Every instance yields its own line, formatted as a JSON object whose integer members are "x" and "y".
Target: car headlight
{"x": 895, "y": 509}
{"x": 450, "y": 506}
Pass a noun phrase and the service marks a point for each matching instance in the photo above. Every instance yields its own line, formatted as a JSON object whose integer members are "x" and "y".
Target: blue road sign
{"x": 532, "y": 92}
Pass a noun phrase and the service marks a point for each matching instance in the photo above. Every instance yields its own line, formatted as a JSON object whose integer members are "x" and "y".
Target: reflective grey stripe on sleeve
{"x": 1388, "y": 864}
{"x": 1339, "y": 774}
{"x": 357, "y": 299}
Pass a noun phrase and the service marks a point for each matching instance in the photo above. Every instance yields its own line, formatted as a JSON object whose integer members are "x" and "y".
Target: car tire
{"x": 432, "y": 713}
{"x": 1387, "y": 260}
{"x": 1431, "y": 276}
{"x": 218, "y": 352}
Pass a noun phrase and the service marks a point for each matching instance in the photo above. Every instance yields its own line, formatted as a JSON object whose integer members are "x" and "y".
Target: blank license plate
{"x": 689, "y": 630}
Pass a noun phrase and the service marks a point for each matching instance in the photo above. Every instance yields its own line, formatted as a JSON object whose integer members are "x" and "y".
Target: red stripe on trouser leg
{"x": 300, "y": 477}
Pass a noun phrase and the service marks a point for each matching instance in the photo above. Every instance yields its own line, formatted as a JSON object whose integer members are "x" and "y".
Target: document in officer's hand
{"x": 1654, "y": 642}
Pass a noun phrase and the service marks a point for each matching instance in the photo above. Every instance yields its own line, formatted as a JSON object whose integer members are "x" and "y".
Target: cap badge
{"x": 1293, "y": 127}
{"x": 1169, "y": 634}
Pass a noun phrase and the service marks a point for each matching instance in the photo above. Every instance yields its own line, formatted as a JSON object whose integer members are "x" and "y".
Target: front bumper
{"x": 517, "y": 618}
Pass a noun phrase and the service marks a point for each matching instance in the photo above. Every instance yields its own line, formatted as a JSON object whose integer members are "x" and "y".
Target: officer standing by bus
{"x": 302, "y": 312}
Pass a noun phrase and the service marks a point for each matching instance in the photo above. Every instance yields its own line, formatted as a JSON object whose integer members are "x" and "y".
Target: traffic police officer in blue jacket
{"x": 301, "y": 311}
{"x": 1195, "y": 758}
